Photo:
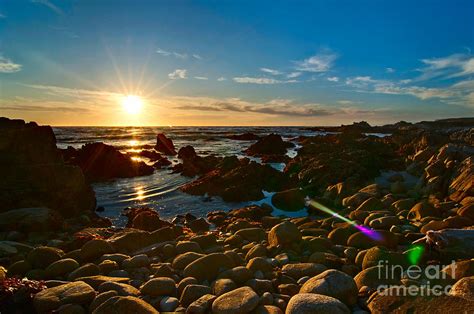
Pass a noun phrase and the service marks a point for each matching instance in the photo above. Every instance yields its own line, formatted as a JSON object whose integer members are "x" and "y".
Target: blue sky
{"x": 236, "y": 62}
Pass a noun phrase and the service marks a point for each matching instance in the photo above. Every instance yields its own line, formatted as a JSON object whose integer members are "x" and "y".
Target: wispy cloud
{"x": 321, "y": 62}
{"x": 274, "y": 107}
{"x": 73, "y": 92}
{"x": 346, "y": 102}
{"x": 49, "y": 5}
{"x": 451, "y": 66}
{"x": 333, "y": 79}
{"x": 459, "y": 93}
{"x": 44, "y": 108}
{"x": 201, "y": 78}
{"x": 261, "y": 80}
{"x": 178, "y": 74}
{"x": 294, "y": 74}
{"x": 361, "y": 81}
{"x": 8, "y": 66}
{"x": 389, "y": 70}
{"x": 271, "y": 71}
{"x": 2, "y": 16}
{"x": 221, "y": 79}
{"x": 178, "y": 55}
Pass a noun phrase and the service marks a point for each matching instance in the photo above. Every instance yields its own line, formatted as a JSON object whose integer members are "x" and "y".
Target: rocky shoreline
{"x": 58, "y": 255}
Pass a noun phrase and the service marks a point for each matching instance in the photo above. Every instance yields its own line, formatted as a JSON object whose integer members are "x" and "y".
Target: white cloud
{"x": 8, "y": 66}
{"x": 333, "y": 79}
{"x": 455, "y": 65}
{"x": 201, "y": 78}
{"x": 321, "y": 62}
{"x": 178, "y": 74}
{"x": 389, "y": 70}
{"x": 50, "y": 5}
{"x": 221, "y": 79}
{"x": 345, "y": 102}
{"x": 360, "y": 81}
{"x": 294, "y": 74}
{"x": 163, "y": 52}
{"x": 256, "y": 80}
{"x": 417, "y": 91}
{"x": 261, "y": 80}
{"x": 179, "y": 55}
{"x": 271, "y": 71}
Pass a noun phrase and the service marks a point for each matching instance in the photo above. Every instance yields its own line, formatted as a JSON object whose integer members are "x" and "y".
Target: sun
{"x": 132, "y": 104}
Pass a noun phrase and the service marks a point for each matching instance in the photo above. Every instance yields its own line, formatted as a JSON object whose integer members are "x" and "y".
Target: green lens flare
{"x": 415, "y": 254}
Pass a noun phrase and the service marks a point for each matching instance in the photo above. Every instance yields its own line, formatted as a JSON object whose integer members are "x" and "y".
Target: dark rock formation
{"x": 271, "y": 144}
{"x": 244, "y": 137}
{"x": 164, "y": 145}
{"x": 238, "y": 180}
{"x": 327, "y": 160}
{"x": 34, "y": 174}
{"x": 194, "y": 165}
{"x": 100, "y": 162}
{"x": 144, "y": 218}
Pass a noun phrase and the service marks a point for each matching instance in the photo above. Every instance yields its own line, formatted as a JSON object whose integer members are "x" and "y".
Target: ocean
{"x": 161, "y": 189}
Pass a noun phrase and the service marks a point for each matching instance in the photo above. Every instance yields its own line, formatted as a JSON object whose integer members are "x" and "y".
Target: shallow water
{"x": 161, "y": 189}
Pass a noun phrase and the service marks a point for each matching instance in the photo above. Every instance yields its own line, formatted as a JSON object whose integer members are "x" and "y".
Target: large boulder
{"x": 312, "y": 303}
{"x": 462, "y": 184}
{"x": 125, "y": 305}
{"x": 30, "y": 219}
{"x": 283, "y": 234}
{"x": 208, "y": 266}
{"x": 238, "y": 301}
{"x": 333, "y": 283}
{"x": 101, "y": 162}
{"x": 34, "y": 174}
{"x": 391, "y": 300}
{"x": 50, "y": 299}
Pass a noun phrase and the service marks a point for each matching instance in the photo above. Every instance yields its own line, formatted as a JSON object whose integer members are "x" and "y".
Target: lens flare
{"x": 374, "y": 235}
{"x": 415, "y": 253}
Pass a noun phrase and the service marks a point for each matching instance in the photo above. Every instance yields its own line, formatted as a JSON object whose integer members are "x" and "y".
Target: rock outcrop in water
{"x": 101, "y": 162}
{"x": 271, "y": 144}
{"x": 33, "y": 174}
{"x": 164, "y": 145}
{"x": 237, "y": 180}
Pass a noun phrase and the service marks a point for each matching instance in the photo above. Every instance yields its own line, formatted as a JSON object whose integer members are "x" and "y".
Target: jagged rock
{"x": 164, "y": 145}
{"x": 462, "y": 185}
{"x": 34, "y": 174}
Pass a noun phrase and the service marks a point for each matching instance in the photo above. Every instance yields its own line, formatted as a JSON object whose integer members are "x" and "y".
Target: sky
{"x": 240, "y": 63}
